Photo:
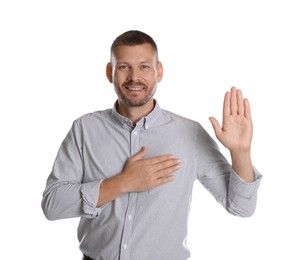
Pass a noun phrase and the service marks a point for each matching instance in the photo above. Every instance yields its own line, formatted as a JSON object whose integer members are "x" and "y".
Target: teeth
{"x": 135, "y": 89}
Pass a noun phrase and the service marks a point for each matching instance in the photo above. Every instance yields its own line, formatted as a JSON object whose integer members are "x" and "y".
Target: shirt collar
{"x": 146, "y": 122}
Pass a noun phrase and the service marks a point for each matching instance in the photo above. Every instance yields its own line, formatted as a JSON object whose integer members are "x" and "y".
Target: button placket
{"x": 132, "y": 202}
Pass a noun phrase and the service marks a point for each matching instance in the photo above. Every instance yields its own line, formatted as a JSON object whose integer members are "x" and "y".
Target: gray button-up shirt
{"x": 150, "y": 225}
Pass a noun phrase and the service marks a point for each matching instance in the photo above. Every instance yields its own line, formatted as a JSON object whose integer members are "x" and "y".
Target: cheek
{"x": 119, "y": 78}
{"x": 150, "y": 77}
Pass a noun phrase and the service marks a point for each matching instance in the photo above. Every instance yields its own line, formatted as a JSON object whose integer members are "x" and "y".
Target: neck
{"x": 135, "y": 113}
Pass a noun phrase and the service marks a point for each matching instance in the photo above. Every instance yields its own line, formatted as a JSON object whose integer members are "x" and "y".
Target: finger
{"x": 240, "y": 102}
{"x": 159, "y": 159}
{"x": 233, "y": 101}
{"x": 164, "y": 180}
{"x": 216, "y": 126}
{"x": 247, "y": 109}
{"x": 166, "y": 168}
{"x": 140, "y": 155}
{"x": 227, "y": 104}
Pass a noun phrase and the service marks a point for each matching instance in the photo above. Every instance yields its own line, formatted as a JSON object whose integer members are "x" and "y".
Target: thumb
{"x": 216, "y": 126}
{"x": 140, "y": 155}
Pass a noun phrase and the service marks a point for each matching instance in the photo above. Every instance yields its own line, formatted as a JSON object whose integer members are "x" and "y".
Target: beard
{"x": 135, "y": 100}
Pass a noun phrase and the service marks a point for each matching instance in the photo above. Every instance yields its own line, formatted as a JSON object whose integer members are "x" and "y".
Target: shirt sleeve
{"x": 219, "y": 178}
{"x": 65, "y": 194}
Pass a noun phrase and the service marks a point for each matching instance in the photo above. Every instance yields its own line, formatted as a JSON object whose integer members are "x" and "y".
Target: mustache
{"x": 132, "y": 83}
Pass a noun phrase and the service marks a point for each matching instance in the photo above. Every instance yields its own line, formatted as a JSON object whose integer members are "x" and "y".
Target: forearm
{"x": 110, "y": 189}
{"x": 64, "y": 199}
{"x": 242, "y": 164}
{"x": 242, "y": 197}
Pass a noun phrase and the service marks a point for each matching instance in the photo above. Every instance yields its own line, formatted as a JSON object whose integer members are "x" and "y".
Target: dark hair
{"x": 133, "y": 37}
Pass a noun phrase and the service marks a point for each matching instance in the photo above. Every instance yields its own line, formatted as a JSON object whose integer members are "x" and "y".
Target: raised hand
{"x": 237, "y": 128}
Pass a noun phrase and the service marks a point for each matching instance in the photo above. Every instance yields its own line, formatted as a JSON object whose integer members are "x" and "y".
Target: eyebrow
{"x": 142, "y": 62}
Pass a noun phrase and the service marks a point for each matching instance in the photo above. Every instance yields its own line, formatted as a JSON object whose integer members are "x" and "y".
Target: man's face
{"x": 135, "y": 73}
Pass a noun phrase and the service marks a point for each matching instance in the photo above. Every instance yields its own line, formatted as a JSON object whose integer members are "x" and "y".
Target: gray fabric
{"x": 150, "y": 225}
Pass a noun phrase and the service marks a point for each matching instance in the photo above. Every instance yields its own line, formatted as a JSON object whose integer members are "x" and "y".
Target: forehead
{"x": 135, "y": 53}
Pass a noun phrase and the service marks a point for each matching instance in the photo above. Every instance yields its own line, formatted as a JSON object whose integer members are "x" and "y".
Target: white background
{"x": 52, "y": 62}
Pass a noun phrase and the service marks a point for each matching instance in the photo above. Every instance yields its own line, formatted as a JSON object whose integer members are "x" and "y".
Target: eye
{"x": 145, "y": 67}
{"x": 123, "y": 67}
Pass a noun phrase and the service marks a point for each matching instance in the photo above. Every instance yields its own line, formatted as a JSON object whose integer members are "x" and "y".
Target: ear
{"x": 160, "y": 72}
{"x": 109, "y": 72}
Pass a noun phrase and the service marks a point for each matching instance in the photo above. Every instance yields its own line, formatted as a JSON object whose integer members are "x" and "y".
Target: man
{"x": 128, "y": 172}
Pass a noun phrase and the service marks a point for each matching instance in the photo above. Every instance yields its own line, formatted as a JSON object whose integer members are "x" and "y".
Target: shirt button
{"x": 125, "y": 246}
{"x": 130, "y": 217}
{"x": 135, "y": 133}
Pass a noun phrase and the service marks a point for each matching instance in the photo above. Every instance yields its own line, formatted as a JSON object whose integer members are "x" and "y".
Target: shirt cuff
{"x": 242, "y": 188}
{"x": 90, "y": 195}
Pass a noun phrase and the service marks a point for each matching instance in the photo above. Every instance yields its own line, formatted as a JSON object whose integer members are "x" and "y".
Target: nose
{"x": 134, "y": 74}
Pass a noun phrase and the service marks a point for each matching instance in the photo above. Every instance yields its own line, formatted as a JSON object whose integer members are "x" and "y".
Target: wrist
{"x": 122, "y": 183}
{"x": 240, "y": 153}
{"x": 242, "y": 164}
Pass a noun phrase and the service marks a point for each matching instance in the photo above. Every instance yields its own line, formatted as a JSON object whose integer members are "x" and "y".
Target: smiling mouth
{"x": 135, "y": 88}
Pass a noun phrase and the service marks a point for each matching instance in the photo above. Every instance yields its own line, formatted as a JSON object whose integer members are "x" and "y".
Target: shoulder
{"x": 180, "y": 119}
{"x": 93, "y": 118}
{"x": 187, "y": 125}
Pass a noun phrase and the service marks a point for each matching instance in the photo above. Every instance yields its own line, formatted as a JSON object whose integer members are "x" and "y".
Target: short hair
{"x": 132, "y": 38}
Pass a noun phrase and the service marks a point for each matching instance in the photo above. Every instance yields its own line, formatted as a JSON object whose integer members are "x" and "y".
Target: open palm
{"x": 237, "y": 127}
